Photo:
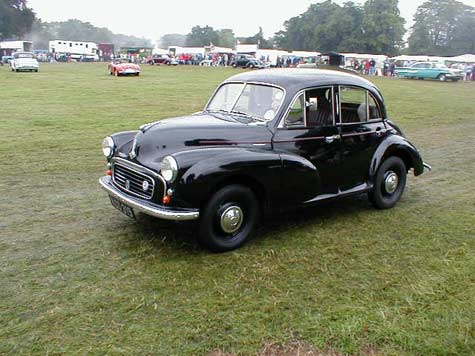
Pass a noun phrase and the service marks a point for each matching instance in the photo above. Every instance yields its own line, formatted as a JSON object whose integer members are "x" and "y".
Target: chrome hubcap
{"x": 231, "y": 219}
{"x": 391, "y": 182}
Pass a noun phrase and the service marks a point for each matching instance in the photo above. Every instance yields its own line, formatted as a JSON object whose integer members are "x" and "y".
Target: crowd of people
{"x": 369, "y": 66}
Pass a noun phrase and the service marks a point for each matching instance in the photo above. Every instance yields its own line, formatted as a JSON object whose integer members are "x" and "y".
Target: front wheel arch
{"x": 256, "y": 187}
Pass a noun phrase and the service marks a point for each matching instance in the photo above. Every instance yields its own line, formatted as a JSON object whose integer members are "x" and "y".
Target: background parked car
{"x": 247, "y": 61}
{"x": 24, "y": 61}
{"x": 6, "y": 59}
{"x": 429, "y": 70}
{"x": 123, "y": 67}
{"x": 162, "y": 59}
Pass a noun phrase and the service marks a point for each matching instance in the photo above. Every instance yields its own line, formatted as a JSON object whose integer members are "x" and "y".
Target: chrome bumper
{"x": 148, "y": 207}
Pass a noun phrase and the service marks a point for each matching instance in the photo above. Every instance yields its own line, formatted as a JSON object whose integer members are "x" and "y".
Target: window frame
{"x": 368, "y": 93}
{"x": 281, "y": 124}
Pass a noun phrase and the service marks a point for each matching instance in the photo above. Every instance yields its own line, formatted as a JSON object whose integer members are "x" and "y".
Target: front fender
{"x": 396, "y": 145}
{"x": 212, "y": 167}
{"x": 123, "y": 141}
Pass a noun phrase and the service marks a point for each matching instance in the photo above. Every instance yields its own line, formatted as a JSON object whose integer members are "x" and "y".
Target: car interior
{"x": 357, "y": 106}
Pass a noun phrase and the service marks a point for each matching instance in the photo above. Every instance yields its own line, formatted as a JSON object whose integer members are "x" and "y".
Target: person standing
{"x": 473, "y": 72}
{"x": 367, "y": 67}
{"x": 392, "y": 68}
{"x": 372, "y": 67}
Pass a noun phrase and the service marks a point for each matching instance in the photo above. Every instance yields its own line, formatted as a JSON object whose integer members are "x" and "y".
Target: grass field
{"x": 78, "y": 277}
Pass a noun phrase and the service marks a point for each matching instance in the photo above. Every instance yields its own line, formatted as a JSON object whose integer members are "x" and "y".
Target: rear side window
{"x": 313, "y": 108}
{"x": 357, "y": 105}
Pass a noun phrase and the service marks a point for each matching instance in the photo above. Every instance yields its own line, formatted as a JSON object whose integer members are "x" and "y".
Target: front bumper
{"x": 454, "y": 76}
{"x": 147, "y": 207}
{"x": 27, "y": 68}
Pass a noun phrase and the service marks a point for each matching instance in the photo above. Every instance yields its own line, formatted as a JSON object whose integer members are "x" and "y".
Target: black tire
{"x": 211, "y": 233}
{"x": 442, "y": 77}
{"x": 234, "y": 65}
{"x": 380, "y": 197}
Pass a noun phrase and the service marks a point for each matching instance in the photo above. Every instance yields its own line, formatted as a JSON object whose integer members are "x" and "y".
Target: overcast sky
{"x": 152, "y": 19}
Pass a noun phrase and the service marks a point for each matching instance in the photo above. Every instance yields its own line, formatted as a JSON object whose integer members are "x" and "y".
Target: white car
{"x": 24, "y": 61}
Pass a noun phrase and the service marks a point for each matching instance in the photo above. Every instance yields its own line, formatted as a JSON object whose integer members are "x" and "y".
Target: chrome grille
{"x": 132, "y": 181}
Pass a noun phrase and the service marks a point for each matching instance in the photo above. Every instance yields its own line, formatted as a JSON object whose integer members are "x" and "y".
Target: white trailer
{"x": 76, "y": 49}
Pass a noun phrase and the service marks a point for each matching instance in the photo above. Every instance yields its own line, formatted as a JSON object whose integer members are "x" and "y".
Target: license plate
{"x": 126, "y": 210}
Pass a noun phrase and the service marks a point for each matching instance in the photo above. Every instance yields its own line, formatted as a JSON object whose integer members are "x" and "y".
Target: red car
{"x": 123, "y": 67}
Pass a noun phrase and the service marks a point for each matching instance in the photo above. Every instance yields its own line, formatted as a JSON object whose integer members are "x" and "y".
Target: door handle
{"x": 331, "y": 139}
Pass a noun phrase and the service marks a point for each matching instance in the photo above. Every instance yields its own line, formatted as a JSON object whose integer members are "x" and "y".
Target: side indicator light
{"x": 167, "y": 200}
{"x": 109, "y": 172}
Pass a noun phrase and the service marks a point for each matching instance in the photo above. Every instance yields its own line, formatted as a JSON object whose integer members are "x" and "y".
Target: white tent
{"x": 465, "y": 58}
{"x": 247, "y": 48}
{"x": 221, "y": 50}
{"x": 305, "y": 54}
{"x": 376, "y": 57}
{"x": 157, "y": 50}
{"x": 411, "y": 58}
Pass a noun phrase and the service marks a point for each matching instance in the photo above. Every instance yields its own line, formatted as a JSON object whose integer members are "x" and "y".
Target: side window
{"x": 314, "y": 108}
{"x": 373, "y": 109}
{"x": 296, "y": 115}
{"x": 319, "y": 107}
{"x": 353, "y": 105}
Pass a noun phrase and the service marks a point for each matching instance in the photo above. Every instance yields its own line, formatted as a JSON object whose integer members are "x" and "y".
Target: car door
{"x": 308, "y": 133}
{"x": 362, "y": 129}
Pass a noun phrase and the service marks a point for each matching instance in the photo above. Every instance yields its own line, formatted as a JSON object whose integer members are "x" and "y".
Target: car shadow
{"x": 181, "y": 237}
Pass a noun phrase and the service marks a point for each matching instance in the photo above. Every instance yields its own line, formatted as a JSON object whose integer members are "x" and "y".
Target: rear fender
{"x": 396, "y": 145}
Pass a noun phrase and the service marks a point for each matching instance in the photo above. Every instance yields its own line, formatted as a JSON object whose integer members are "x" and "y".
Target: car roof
{"x": 300, "y": 78}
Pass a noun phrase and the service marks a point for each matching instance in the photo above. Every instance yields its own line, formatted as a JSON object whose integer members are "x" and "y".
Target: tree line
{"x": 17, "y": 21}
{"x": 441, "y": 27}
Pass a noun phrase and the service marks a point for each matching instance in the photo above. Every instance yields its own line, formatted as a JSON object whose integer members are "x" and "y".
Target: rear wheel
{"x": 228, "y": 218}
{"x": 389, "y": 183}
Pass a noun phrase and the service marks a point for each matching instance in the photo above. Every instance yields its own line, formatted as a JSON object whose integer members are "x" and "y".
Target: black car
{"x": 246, "y": 61}
{"x": 266, "y": 142}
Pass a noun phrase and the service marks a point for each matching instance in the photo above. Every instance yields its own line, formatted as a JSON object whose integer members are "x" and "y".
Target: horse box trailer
{"x": 76, "y": 49}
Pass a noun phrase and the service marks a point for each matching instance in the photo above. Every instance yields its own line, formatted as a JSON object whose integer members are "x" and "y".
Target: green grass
{"x": 77, "y": 277}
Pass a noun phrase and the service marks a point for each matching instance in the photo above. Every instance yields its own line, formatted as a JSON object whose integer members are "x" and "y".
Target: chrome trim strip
{"x": 146, "y": 207}
{"x": 428, "y": 167}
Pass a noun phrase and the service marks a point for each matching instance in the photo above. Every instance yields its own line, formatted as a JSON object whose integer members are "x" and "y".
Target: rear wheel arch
{"x": 400, "y": 147}
{"x": 402, "y": 154}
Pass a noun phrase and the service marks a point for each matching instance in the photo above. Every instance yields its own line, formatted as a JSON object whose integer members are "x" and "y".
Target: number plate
{"x": 126, "y": 210}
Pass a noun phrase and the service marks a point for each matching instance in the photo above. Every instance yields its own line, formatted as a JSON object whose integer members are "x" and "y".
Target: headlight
{"x": 108, "y": 147}
{"x": 169, "y": 169}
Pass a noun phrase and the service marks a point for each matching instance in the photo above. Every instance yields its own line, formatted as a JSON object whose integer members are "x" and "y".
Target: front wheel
{"x": 442, "y": 77}
{"x": 389, "y": 183}
{"x": 228, "y": 218}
